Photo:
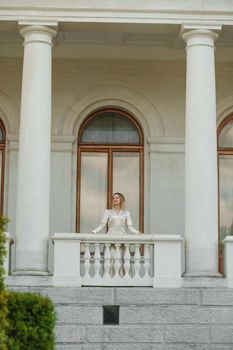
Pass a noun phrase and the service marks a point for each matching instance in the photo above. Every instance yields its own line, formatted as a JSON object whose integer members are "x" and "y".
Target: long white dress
{"x": 117, "y": 225}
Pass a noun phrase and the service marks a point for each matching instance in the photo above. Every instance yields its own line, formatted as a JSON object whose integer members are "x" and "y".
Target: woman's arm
{"x": 103, "y": 223}
{"x": 130, "y": 224}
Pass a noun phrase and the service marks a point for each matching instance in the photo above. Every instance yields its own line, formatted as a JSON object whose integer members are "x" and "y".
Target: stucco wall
{"x": 153, "y": 92}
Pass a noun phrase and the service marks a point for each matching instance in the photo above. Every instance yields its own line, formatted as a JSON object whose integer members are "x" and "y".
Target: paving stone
{"x": 158, "y": 314}
{"x": 69, "y": 334}
{"x": 124, "y": 334}
{"x": 79, "y": 314}
{"x": 215, "y": 315}
{"x": 214, "y": 296}
{"x": 145, "y": 296}
{"x": 187, "y": 334}
{"x": 221, "y": 334}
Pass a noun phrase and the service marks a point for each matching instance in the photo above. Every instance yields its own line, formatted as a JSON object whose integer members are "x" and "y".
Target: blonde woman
{"x": 117, "y": 219}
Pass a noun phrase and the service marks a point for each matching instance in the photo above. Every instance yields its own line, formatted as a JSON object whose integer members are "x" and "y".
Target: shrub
{"x": 3, "y": 293}
{"x": 3, "y": 222}
{"x": 26, "y": 319}
{"x": 31, "y": 322}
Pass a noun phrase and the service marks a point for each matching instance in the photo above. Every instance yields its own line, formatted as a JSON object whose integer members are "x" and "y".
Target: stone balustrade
{"x": 228, "y": 259}
{"x": 7, "y": 260}
{"x": 109, "y": 260}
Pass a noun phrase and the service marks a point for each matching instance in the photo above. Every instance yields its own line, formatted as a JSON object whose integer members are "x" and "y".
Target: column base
{"x": 30, "y": 273}
{"x": 203, "y": 274}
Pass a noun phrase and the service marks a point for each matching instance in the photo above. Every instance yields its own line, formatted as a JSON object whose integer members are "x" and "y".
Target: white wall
{"x": 154, "y": 92}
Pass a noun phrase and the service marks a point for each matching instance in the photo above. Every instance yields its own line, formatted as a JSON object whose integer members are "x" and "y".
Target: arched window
{"x": 110, "y": 159}
{"x": 2, "y": 163}
{"x": 225, "y": 165}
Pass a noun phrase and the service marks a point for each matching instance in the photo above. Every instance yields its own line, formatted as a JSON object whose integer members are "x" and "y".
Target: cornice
{"x": 120, "y": 11}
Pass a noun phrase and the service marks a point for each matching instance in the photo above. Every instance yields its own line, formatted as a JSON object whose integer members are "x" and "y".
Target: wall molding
{"x": 166, "y": 145}
{"x": 62, "y": 143}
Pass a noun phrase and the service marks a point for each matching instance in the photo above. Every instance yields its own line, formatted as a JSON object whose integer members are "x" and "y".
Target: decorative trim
{"x": 59, "y": 143}
{"x": 110, "y": 67}
{"x": 224, "y": 106}
{"x": 38, "y": 32}
{"x": 9, "y": 113}
{"x": 166, "y": 145}
{"x": 205, "y": 29}
{"x": 62, "y": 143}
{"x": 133, "y": 11}
{"x": 110, "y": 96}
{"x": 13, "y": 142}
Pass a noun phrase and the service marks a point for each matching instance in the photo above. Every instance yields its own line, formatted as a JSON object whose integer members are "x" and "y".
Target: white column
{"x": 33, "y": 183}
{"x": 201, "y": 196}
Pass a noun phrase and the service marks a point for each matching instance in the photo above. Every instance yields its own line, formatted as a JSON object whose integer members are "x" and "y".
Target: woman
{"x": 118, "y": 220}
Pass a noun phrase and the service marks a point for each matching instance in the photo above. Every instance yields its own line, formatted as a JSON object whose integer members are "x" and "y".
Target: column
{"x": 201, "y": 187}
{"x": 33, "y": 182}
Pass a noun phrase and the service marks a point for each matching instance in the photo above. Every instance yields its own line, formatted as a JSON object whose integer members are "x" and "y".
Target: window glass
{"x": 1, "y": 135}
{"x": 126, "y": 179}
{"x": 110, "y": 127}
{"x": 226, "y": 135}
{"x": 93, "y": 189}
{"x": 226, "y": 195}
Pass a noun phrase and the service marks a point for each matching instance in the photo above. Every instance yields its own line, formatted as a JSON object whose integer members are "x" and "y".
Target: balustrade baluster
{"x": 107, "y": 260}
{"x": 146, "y": 260}
{"x": 87, "y": 257}
{"x": 117, "y": 262}
{"x": 97, "y": 258}
{"x": 127, "y": 260}
{"x": 137, "y": 259}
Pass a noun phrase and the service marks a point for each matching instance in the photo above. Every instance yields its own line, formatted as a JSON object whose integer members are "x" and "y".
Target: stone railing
{"x": 7, "y": 260}
{"x": 108, "y": 260}
{"x": 228, "y": 259}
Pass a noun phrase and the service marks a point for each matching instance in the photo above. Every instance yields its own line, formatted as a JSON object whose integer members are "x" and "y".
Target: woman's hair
{"x": 122, "y": 198}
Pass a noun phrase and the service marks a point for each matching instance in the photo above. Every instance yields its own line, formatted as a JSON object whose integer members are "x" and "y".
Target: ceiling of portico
{"x": 114, "y": 41}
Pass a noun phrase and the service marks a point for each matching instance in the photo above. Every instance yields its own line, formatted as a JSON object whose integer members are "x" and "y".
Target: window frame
{"x": 221, "y": 151}
{"x": 3, "y": 150}
{"x": 109, "y": 148}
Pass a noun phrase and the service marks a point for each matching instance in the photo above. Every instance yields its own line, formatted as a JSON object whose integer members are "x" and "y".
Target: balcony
{"x": 108, "y": 260}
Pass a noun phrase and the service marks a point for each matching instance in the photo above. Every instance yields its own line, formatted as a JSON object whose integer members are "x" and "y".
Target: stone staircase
{"x": 197, "y": 316}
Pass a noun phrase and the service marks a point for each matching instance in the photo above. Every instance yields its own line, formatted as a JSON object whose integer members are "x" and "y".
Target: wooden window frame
{"x": 222, "y": 151}
{"x": 109, "y": 148}
{"x": 3, "y": 150}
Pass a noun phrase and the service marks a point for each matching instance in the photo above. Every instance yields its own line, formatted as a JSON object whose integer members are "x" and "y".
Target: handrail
{"x": 89, "y": 237}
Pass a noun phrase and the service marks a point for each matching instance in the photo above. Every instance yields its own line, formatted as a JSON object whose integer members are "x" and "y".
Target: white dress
{"x": 117, "y": 222}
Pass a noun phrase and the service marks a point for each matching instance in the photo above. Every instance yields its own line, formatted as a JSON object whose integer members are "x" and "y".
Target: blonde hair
{"x": 122, "y": 198}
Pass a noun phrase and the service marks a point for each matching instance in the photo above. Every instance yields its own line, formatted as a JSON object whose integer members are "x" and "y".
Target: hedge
{"x": 26, "y": 319}
{"x": 3, "y": 293}
{"x": 31, "y": 322}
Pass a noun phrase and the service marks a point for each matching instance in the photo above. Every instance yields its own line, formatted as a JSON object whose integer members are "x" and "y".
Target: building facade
{"x": 119, "y": 96}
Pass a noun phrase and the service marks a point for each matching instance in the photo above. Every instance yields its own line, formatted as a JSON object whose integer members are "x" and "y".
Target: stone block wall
{"x": 150, "y": 318}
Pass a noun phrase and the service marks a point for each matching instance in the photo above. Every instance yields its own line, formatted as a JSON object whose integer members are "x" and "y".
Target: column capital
{"x": 191, "y": 31}
{"x": 38, "y": 31}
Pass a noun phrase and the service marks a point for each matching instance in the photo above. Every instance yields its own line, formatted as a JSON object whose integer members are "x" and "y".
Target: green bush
{"x": 26, "y": 320}
{"x": 31, "y": 322}
{"x": 3, "y": 293}
{"x": 3, "y": 222}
